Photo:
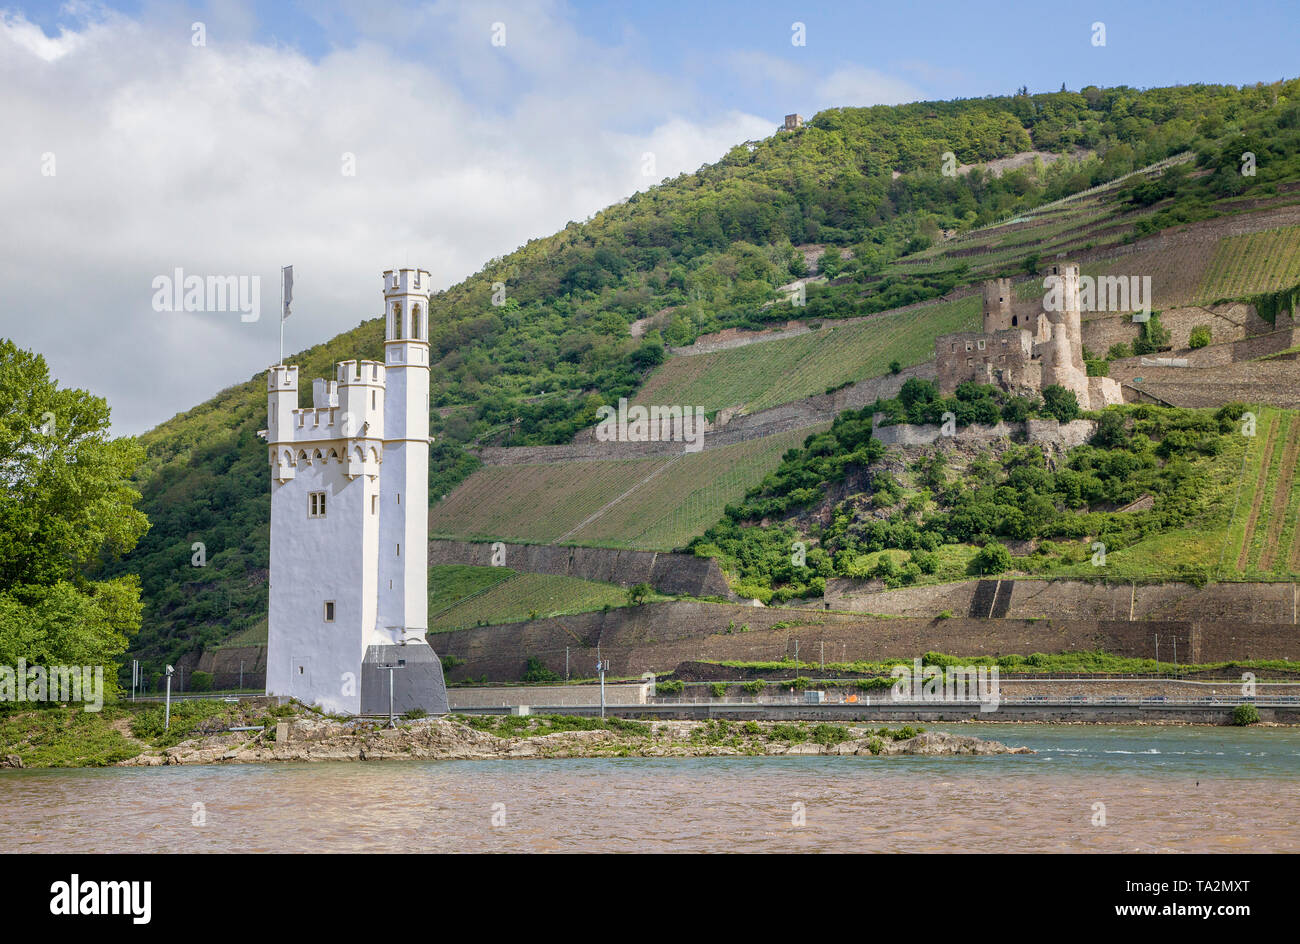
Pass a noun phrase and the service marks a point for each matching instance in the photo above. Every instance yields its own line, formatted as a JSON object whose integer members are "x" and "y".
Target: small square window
{"x": 315, "y": 504}
{"x": 329, "y": 611}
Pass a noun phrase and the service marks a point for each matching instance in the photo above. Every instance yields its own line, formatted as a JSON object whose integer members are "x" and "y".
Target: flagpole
{"x": 281, "y": 315}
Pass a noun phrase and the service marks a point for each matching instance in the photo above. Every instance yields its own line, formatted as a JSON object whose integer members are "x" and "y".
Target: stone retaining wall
{"x": 657, "y": 637}
{"x": 1078, "y": 599}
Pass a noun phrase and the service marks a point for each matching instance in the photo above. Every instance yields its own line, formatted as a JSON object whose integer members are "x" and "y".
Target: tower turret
{"x": 404, "y": 507}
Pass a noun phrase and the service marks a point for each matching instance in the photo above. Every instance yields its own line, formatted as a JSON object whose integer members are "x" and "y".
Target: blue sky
{"x": 225, "y": 158}
{"x": 943, "y": 49}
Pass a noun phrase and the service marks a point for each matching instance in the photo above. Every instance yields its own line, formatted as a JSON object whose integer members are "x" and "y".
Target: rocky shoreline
{"x": 318, "y": 739}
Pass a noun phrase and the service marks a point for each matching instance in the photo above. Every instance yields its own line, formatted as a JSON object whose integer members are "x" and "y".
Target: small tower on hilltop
{"x": 348, "y": 607}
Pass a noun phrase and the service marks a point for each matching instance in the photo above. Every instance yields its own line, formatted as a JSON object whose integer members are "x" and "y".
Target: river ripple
{"x": 1164, "y": 789}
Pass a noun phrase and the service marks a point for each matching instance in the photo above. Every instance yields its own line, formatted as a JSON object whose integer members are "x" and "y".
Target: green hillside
{"x": 699, "y": 253}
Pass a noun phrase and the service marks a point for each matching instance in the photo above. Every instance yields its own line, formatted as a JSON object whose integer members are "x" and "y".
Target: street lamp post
{"x": 167, "y": 711}
{"x": 391, "y": 666}
{"x": 601, "y": 667}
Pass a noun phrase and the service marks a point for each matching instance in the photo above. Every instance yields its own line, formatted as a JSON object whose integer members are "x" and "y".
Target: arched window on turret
{"x": 415, "y": 322}
{"x": 397, "y": 320}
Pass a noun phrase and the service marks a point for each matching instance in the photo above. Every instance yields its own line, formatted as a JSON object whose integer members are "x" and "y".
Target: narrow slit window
{"x": 329, "y": 611}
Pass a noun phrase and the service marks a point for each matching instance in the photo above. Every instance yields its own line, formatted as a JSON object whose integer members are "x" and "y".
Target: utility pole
{"x": 135, "y": 676}
{"x": 241, "y": 675}
{"x": 796, "y": 657}
{"x": 1157, "y": 647}
{"x": 566, "y": 663}
{"x": 823, "y": 645}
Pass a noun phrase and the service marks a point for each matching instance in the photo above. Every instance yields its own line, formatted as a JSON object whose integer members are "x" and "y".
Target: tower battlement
{"x": 282, "y": 377}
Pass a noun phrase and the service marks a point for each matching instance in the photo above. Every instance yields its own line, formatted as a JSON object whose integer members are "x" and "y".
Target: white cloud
{"x": 226, "y": 159}
{"x": 859, "y": 86}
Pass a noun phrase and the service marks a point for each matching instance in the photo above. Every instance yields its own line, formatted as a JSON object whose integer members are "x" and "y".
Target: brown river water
{"x": 1178, "y": 789}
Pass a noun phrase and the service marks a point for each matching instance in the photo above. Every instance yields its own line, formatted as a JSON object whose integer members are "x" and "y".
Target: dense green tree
{"x": 67, "y": 502}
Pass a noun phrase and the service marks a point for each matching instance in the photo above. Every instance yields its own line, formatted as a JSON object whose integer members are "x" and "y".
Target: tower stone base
{"x": 418, "y": 683}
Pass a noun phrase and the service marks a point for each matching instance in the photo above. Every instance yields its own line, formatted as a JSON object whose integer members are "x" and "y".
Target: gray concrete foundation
{"x": 417, "y": 682}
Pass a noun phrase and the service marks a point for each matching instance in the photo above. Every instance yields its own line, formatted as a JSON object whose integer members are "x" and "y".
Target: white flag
{"x": 286, "y": 278}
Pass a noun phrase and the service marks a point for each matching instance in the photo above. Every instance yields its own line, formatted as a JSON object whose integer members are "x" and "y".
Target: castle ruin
{"x": 1025, "y": 350}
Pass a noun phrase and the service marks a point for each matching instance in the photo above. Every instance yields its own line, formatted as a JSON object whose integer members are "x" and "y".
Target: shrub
{"x": 1200, "y": 337}
{"x": 414, "y": 714}
{"x": 993, "y": 558}
{"x": 753, "y": 688}
{"x": 1061, "y": 403}
{"x": 719, "y": 689}
{"x": 670, "y": 687}
{"x": 1152, "y": 336}
{"x": 829, "y": 733}
{"x": 1245, "y": 714}
{"x": 201, "y": 682}
{"x": 536, "y": 671}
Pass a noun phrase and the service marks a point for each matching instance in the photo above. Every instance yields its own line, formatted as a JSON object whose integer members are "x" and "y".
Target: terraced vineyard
{"x": 509, "y": 597}
{"x": 533, "y": 503}
{"x": 1263, "y": 540}
{"x": 1177, "y": 274}
{"x": 651, "y": 504}
{"x": 1255, "y": 262}
{"x": 770, "y": 373}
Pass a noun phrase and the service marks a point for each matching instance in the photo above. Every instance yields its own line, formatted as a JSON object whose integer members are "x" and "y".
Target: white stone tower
{"x": 349, "y": 524}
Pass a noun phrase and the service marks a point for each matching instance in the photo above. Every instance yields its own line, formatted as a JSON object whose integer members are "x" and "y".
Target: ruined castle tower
{"x": 349, "y": 524}
{"x": 997, "y": 306}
